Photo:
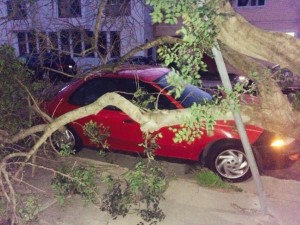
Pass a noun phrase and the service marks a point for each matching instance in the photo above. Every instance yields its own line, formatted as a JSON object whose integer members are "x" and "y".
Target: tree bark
{"x": 239, "y": 35}
{"x": 242, "y": 44}
{"x": 274, "y": 112}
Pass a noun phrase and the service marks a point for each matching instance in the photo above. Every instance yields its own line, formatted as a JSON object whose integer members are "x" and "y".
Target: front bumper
{"x": 269, "y": 157}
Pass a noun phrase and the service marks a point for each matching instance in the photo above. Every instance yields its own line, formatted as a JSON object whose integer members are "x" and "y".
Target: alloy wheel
{"x": 232, "y": 164}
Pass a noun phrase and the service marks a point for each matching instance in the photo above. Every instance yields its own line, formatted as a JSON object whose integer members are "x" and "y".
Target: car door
{"x": 125, "y": 133}
{"x": 149, "y": 96}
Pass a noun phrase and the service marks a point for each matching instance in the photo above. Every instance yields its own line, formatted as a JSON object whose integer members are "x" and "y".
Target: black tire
{"x": 67, "y": 137}
{"x": 229, "y": 161}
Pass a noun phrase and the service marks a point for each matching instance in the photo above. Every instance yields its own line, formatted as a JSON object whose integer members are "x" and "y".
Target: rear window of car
{"x": 191, "y": 94}
{"x": 92, "y": 90}
{"x": 148, "y": 96}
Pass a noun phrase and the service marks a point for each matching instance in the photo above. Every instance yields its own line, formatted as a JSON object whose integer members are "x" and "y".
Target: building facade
{"x": 69, "y": 26}
{"x": 274, "y": 15}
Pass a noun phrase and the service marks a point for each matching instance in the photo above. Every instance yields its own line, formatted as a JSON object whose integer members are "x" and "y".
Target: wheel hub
{"x": 63, "y": 138}
{"x": 232, "y": 164}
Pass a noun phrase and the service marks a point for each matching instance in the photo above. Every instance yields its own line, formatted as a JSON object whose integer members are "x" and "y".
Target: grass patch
{"x": 207, "y": 178}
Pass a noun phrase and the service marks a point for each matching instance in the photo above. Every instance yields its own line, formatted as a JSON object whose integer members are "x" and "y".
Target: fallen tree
{"x": 233, "y": 34}
{"x": 276, "y": 112}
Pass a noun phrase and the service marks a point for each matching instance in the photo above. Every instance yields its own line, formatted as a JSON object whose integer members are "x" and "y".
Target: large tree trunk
{"x": 240, "y": 35}
{"x": 274, "y": 111}
{"x": 239, "y": 42}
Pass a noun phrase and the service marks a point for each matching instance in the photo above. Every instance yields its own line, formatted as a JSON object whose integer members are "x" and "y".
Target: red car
{"x": 221, "y": 152}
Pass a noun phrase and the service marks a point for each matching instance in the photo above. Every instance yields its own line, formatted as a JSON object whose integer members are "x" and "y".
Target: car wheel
{"x": 229, "y": 161}
{"x": 68, "y": 137}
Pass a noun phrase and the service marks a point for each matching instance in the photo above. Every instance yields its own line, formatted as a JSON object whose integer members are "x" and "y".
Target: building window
{"x": 16, "y": 9}
{"x": 64, "y": 40}
{"x": 22, "y": 43}
{"x": 69, "y": 8}
{"x": 42, "y": 41}
{"x": 118, "y": 8}
{"x": 88, "y": 38}
{"x": 32, "y": 42}
{"x": 53, "y": 41}
{"x": 102, "y": 43}
{"x": 115, "y": 44}
{"x": 76, "y": 42}
{"x": 27, "y": 42}
{"x": 69, "y": 41}
{"x": 241, "y": 3}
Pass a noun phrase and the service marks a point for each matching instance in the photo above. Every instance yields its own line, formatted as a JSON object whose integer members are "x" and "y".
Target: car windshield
{"x": 190, "y": 95}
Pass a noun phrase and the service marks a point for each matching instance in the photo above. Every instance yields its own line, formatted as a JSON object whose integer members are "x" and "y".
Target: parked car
{"x": 49, "y": 64}
{"x": 134, "y": 60}
{"x": 221, "y": 152}
{"x": 287, "y": 80}
{"x": 213, "y": 80}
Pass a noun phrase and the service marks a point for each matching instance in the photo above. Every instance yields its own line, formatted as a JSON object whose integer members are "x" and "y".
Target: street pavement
{"x": 186, "y": 203}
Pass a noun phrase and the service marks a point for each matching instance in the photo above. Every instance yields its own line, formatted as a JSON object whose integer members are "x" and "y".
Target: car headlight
{"x": 280, "y": 142}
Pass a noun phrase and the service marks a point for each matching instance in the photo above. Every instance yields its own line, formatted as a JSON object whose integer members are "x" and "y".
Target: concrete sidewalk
{"x": 283, "y": 198}
{"x": 188, "y": 204}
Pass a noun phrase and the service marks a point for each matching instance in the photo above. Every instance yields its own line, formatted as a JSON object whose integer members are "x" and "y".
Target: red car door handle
{"x": 128, "y": 121}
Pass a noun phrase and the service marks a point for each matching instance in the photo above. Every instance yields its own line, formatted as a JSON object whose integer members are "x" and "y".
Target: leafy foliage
{"x": 97, "y": 133}
{"x": 203, "y": 116}
{"x": 198, "y": 33}
{"x": 143, "y": 99}
{"x": 65, "y": 150}
{"x": 76, "y": 180}
{"x": 150, "y": 144}
{"x": 14, "y": 105}
{"x": 142, "y": 192}
{"x": 29, "y": 207}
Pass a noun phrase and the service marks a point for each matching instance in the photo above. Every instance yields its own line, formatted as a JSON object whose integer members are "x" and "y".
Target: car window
{"x": 92, "y": 90}
{"x": 193, "y": 94}
{"x": 144, "y": 94}
{"x": 190, "y": 95}
{"x": 139, "y": 93}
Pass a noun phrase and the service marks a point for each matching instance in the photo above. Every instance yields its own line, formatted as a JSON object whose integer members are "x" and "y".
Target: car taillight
{"x": 294, "y": 157}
